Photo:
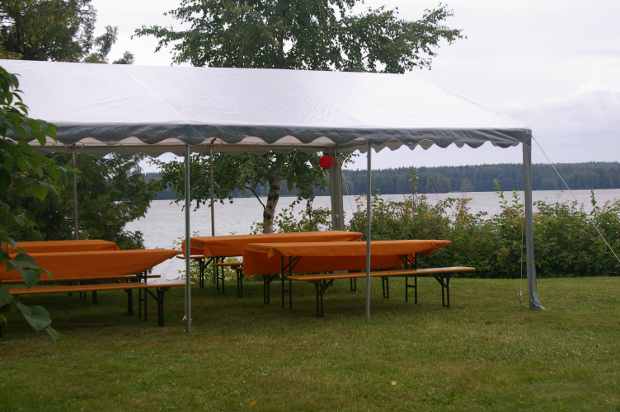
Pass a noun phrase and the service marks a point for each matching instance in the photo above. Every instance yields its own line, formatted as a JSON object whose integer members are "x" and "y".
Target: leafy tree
{"x": 104, "y": 45}
{"x": 297, "y": 34}
{"x": 127, "y": 58}
{"x": 24, "y": 174}
{"x": 60, "y": 30}
{"x": 112, "y": 191}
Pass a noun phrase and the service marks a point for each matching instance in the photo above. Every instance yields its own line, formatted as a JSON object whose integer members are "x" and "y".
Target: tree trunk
{"x": 270, "y": 206}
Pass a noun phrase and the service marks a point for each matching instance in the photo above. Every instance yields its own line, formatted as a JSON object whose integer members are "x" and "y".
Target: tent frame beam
{"x": 76, "y": 209}
{"x": 368, "y": 229}
{"x": 188, "y": 284}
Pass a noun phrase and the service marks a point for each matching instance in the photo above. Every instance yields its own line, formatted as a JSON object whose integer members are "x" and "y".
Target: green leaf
{"x": 28, "y": 268}
{"x": 38, "y": 191}
{"x": 37, "y": 316}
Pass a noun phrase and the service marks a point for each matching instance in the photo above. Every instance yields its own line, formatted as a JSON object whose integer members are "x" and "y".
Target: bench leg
{"x": 267, "y": 289}
{"x": 447, "y": 280}
{"x": 353, "y": 284}
{"x": 239, "y": 283}
{"x": 214, "y": 274}
{"x": 160, "y": 306}
{"x": 145, "y": 296}
{"x": 414, "y": 287}
{"x": 290, "y": 294}
{"x": 282, "y": 290}
{"x": 385, "y": 286}
{"x": 322, "y": 307}
{"x": 139, "y": 304}
{"x": 406, "y": 289}
{"x": 201, "y": 273}
{"x": 220, "y": 274}
{"x": 129, "y": 302}
{"x": 95, "y": 300}
{"x": 444, "y": 282}
{"x": 222, "y": 278}
{"x": 321, "y": 287}
{"x": 318, "y": 293}
{"x": 443, "y": 293}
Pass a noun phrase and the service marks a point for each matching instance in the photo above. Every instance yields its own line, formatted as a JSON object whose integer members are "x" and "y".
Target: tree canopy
{"x": 299, "y": 34}
{"x": 57, "y": 30}
{"x": 293, "y": 34}
{"x": 112, "y": 191}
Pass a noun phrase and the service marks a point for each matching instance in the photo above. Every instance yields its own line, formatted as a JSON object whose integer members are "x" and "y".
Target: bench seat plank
{"x": 385, "y": 273}
{"x": 39, "y": 290}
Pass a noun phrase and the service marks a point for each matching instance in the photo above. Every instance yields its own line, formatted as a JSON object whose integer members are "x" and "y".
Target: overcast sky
{"x": 554, "y": 64}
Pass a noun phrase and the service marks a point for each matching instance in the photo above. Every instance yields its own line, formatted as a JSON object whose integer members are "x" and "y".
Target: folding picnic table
{"x": 214, "y": 249}
{"x": 95, "y": 266}
{"x": 329, "y": 257}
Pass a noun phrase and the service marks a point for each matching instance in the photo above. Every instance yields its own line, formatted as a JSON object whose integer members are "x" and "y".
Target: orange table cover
{"x": 264, "y": 258}
{"x": 93, "y": 264}
{"x": 234, "y": 245}
{"x": 49, "y": 246}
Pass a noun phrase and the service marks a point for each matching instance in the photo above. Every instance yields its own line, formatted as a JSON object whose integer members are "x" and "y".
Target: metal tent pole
{"x": 76, "y": 212}
{"x": 368, "y": 229}
{"x": 212, "y": 189}
{"x": 188, "y": 285}
{"x": 529, "y": 227}
{"x": 336, "y": 193}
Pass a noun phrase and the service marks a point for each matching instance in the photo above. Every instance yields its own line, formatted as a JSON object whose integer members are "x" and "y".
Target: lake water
{"x": 163, "y": 225}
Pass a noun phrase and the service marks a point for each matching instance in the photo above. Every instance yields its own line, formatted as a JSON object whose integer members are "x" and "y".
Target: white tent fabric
{"x": 161, "y": 109}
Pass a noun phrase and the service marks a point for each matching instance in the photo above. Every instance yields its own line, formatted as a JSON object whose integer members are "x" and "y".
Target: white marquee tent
{"x": 120, "y": 108}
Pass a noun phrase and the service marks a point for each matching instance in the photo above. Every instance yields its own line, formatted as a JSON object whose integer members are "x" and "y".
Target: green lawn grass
{"x": 487, "y": 352}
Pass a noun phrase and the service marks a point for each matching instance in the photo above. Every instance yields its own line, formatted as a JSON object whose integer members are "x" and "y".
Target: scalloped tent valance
{"x": 162, "y": 109}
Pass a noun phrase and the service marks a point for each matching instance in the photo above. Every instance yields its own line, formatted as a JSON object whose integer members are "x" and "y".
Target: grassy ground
{"x": 485, "y": 353}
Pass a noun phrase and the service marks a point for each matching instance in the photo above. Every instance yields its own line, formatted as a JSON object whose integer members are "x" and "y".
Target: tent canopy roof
{"x": 162, "y": 109}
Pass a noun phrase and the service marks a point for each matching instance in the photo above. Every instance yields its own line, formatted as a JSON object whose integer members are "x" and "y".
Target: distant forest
{"x": 483, "y": 178}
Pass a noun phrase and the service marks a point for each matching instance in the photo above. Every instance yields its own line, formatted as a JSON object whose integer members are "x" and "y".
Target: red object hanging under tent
{"x": 327, "y": 161}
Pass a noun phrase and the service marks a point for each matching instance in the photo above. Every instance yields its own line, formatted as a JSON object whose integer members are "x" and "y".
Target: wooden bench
{"x": 128, "y": 287}
{"x": 323, "y": 281}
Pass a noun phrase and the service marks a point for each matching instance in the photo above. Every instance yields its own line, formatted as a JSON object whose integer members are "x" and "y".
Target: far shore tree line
{"x": 447, "y": 179}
